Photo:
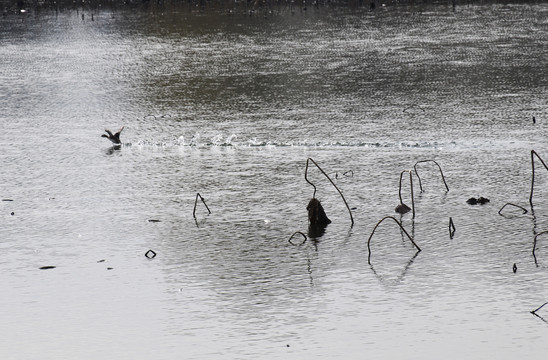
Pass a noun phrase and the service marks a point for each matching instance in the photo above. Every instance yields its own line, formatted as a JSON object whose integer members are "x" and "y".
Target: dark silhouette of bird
{"x": 115, "y": 138}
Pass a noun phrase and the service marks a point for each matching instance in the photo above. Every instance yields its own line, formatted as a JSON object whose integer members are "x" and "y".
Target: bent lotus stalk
{"x": 402, "y": 208}
{"x": 523, "y": 209}
{"x": 533, "y": 154}
{"x": 332, "y": 183}
{"x": 535, "y": 241}
{"x": 439, "y": 167}
{"x": 196, "y": 201}
{"x": 299, "y": 233}
{"x": 537, "y": 309}
{"x": 452, "y": 228}
{"x": 375, "y": 228}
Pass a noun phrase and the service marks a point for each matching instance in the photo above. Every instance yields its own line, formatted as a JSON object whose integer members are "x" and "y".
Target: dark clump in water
{"x": 317, "y": 219}
{"x": 402, "y": 209}
{"x": 480, "y": 201}
{"x": 316, "y": 214}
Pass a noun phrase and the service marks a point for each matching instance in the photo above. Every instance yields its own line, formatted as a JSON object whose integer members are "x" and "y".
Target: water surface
{"x": 231, "y": 107}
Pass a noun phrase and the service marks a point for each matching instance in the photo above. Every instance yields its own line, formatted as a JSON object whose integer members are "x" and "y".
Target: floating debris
{"x": 47, "y": 267}
{"x": 480, "y": 201}
{"x": 7, "y": 200}
{"x": 154, "y": 220}
{"x": 515, "y": 268}
{"x": 150, "y": 254}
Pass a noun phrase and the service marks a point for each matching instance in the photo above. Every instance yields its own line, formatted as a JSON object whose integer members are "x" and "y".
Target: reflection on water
{"x": 230, "y": 107}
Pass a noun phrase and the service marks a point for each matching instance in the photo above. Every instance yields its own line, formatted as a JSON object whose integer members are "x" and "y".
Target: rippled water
{"x": 231, "y": 107}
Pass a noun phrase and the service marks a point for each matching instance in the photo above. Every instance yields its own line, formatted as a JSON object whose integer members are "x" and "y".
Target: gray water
{"x": 231, "y": 107}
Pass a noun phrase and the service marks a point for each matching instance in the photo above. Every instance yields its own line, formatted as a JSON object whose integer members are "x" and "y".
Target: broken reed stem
{"x": 452, "y": 228}
{"x": 411, "y": 185}
{"x": 332, "y": 183}
{"x": 537, "y": 309}
{"x": 439, "y": 167}
{"x": 524, "y": 210}
{"x": 300, "y": 233}
{"x": 534, "y": 153}
{"x": 196, "y": 201}
{"x": 375, "y": 228}
{"x": 535, "y": 241}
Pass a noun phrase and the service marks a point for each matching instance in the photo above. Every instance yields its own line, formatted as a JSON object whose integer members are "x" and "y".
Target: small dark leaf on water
{"x": 47, "y": 267}
{"x": 100, "y": 261}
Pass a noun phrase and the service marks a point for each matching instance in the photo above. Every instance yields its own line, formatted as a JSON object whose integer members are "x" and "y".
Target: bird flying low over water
{"x": 115, "y": 138}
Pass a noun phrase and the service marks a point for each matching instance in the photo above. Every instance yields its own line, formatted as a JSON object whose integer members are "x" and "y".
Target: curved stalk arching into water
{"x": 332, "y": 183}
{"x": 439, "y": 167}
{"x": 375, "y": 228}
{"x": 534, "y": 153}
